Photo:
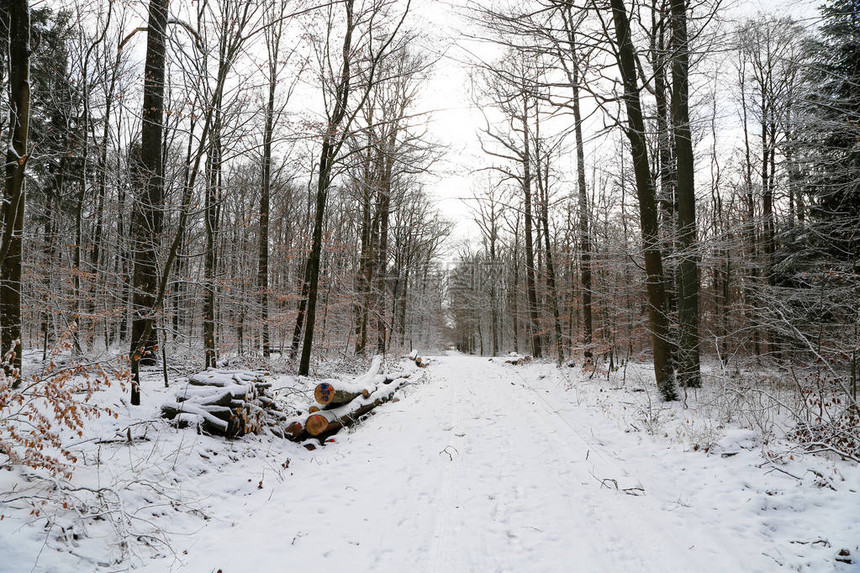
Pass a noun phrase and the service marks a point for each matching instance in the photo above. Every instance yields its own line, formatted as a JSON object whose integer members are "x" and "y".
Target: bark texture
{"x": 11, "y": 248}
{"x": 657, "y": 319}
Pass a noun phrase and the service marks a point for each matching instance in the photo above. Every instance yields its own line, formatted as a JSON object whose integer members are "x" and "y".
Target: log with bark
{"x": 224, "y": 402}
{"x": 515, "y": 359}
{"x": 344, "y": 403}
{"x": 216, "y": 377}
{"x": 295, "y": 431}
{"x": 333, "y": 393}
{"x": 418, "y": 360}
{"x": 326, "y": 422}
{"x": 235, "y": 403}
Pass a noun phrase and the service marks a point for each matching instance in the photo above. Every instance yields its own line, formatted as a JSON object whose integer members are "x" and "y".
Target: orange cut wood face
{"x": 316, "y": 424}
{"x": 324, "y": 393}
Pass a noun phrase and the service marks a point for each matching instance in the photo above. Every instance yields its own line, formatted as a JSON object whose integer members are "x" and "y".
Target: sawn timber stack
{"x": 343, "y": 403}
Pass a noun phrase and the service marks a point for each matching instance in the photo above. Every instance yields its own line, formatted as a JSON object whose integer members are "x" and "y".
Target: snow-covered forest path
{"x": 476, "y": 470}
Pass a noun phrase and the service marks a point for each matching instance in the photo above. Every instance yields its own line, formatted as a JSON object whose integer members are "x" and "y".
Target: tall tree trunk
{"x": 263, "y": 247}
{"x": 657, "y": 318}
{"x": 273, "y": 41}
{"x": 531, "y": 290}
{"x": 688, "y": 276}
{"x": 49, "y": 249}
{"x": 584, "y": 217}
{"x": 750, "y": 238}
{"x": 543, "y": 188}
{"x": 328, "y": 154}
{"x": 494, "y": 303}
{"x": 122, "y": 266}
{"x": 147, "y": 217}
{"x": 178, "y": 287}
{"x": 666, "y": 194}
{"x": 213, "y": 192}
{"x": 77, "y": 294}
{"x": 366, "y": 258}
{"x": 767, "y": 147}
{"x": 314, "y": 260}
{"x": 14, "y": 197}
{"x": 514, "y": 295}
{"x": 381, "y": 289}
{"x": 76, "y": 267}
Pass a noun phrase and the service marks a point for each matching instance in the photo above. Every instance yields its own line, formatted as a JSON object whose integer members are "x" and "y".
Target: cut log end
{"x": 313, "y": 409}
{"x": 295, "y": 429}
{"x": 324, "y": 393}
{"x": 329, "y": 395}
{"x": 316, "y": 424}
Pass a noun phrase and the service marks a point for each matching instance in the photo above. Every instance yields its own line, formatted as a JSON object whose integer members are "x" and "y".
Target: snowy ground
{"x": 481, "y": 466}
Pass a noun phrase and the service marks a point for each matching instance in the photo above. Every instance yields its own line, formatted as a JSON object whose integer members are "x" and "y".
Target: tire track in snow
{"x": 635, "y": 527}
{"x": 537, "y": 498}
{"x": 518, "y": 500}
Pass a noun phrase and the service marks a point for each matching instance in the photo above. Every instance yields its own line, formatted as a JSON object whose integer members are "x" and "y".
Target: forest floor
{"x": 480, "y": 466}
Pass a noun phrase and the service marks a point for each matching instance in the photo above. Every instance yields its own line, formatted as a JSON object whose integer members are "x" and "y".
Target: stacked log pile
{"x": 418, "y": 360}
{"x": 342, "y": 404}
{"x": 234, "y": 403}
{"x": 224, "y": 402}
{"x": 517, "y": 359}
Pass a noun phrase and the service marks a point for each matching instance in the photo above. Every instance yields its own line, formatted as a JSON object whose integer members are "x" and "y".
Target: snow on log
{"x": 327, "y": 421}
{"x": 295, "y": 431}
{"x": 224, "y": 402}
{"x": 336, "y": 392}
{"x": 186, "y": 420}
{"x": 214, "y": 377}
{"x": 219, "y": 396}
{"x": 331, "y": 393}
{"x": 372, "y": 377}
{"x": 210, "y": 422}
{"x": 515, "y": 359}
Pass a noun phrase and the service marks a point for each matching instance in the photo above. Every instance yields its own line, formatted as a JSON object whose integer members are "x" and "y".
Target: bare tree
{"x": 635, "y": 130}
{"x": 510, "y": 88}
{"x": 273, "y": 34}
{"x": 17, "y": 14}
{"x": 688, "y": 276}
{"x": 338, "y": 87}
